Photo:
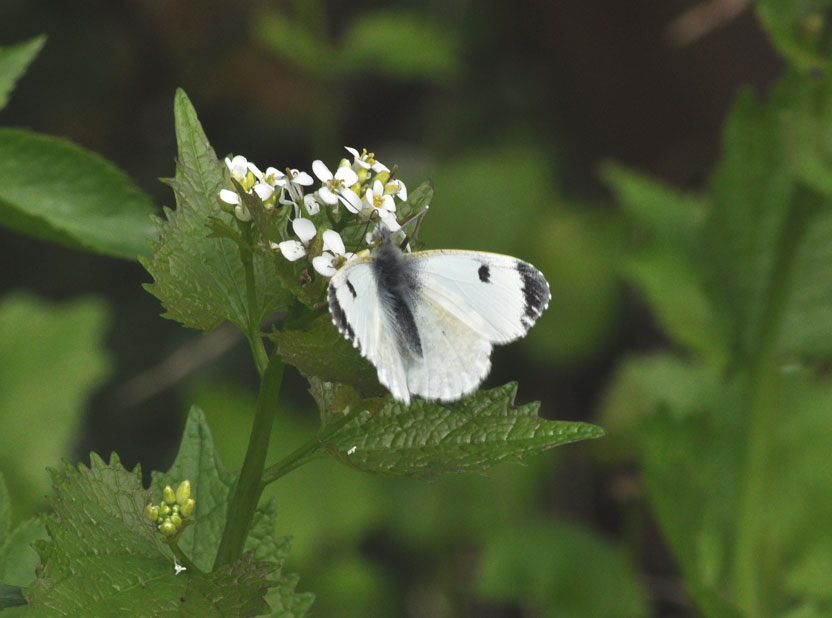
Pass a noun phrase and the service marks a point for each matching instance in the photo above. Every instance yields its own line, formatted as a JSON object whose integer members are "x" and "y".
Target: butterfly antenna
{"x": 414, "y": 217}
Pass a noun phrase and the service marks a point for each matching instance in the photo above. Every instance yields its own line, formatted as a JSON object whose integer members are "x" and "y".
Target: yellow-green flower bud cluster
{"x": 175, "y": 508}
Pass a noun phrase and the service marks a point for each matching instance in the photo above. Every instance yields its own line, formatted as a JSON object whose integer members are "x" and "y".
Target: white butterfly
{"x": 427, "y": 320}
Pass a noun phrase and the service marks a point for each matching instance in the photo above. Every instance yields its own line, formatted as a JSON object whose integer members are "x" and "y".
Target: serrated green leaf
{"x": 55, "y": 190}
{"x": 105, "y": 559}
{"x": 200, "y": 279}
{"x": 211, "y": 485}
{"x": 427, "y": 438}
{"x": 558, "y": 569}
{"x": 52, "y": 358}
{"x": 18, "y": 558}
{"x": 14, "y": 60}
{"x": 400, "y": 46}
{"x": 320, "y": 350}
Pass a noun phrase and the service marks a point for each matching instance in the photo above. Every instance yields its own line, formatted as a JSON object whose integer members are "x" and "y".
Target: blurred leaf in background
{"x": 52, "y": 358}
{"x": 733, "y": 438}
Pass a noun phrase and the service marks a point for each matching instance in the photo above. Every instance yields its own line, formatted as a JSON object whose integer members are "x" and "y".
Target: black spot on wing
{"x": 351, "y": 289}
{"x": 339, "y": 318}
{"x": 397, "y": 286}
{"x": 485, "y": 273}
{"x": 535, "y": 292}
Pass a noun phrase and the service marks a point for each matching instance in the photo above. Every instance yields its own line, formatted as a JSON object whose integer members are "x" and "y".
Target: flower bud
{"x": 165, "y": 510}
{"x": 176, "y": 520}
{"x": 151, "y": 512}
{"x": 183, "y": 492}
{"x": 167, "y": 528}
{"x": 383, "y": 176}
{"x": 188, "y": 507}
{"x": 168, "y": 495}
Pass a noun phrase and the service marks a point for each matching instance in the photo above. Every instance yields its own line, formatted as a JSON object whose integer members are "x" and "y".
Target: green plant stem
{"x": 762, "y": 395}
{"x": 309, "y": 450}
{"x": 255, "y": 340}
{"x": 182, "y": 559}
{"x": 249, "y": 486}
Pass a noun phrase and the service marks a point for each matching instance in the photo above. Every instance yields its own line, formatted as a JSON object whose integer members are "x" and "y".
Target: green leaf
{"x": 52, "y": 358}
{"x": 289, "y": 40}
{"x": 320, "y": 350}
{"x": 54, "y": 190}
{"x": 14, "y": 60}
{"x": 211, "y": 485}
{"x": 17, "y": 555}
{"x": 104, "y": 558}
{"x": 426, "y": 438}
{"x": 798, "y": 30}
{"x": 559, "y": 569}
{"x": 200, "y": 278}
{"x": 400, "y": 46}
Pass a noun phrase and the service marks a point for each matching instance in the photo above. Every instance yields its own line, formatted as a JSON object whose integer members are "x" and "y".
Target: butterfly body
{"x": 428, "y": 320}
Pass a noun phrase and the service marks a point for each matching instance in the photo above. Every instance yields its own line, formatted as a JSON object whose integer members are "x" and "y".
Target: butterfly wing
{"x": 358, "y": 314}
{"x": 497, "y": 296}
{"x": 467, "y": 301}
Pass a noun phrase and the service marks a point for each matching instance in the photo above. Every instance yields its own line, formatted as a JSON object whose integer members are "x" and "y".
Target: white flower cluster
{"x": 364, "y": 186}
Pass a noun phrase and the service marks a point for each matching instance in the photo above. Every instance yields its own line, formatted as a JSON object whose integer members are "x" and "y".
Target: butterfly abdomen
{"x": 397, "y": 283}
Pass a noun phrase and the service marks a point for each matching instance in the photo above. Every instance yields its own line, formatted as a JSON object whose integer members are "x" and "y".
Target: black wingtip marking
{"x": 339, "y": 318}
{"x": 535, "y": 292}
{"x": 485, "y": 273}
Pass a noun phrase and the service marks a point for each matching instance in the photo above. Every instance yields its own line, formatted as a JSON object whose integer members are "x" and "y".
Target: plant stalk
{"x": 249, "y": 487}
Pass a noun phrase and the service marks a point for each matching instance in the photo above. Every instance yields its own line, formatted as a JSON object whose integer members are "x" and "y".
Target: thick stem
{"x": 249, "y": 486}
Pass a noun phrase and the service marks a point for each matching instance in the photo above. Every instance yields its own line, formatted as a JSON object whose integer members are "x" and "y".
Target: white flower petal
{"x": 353, "y": 152}
{"x": 378, "y": 188}
{"x": 312, "y": 206}
{"x": 263, "y": 191}
{"x": 323, "y": 264}
{"x": 229, "y": 197}
{"x": 389, "y": 220}
{"x": 350, "y": 200}
{"x": 380, "y": 167}
{"x": 238, "y": 166}
{"x": 254, "y": 170}
{"x": 333, "y": 242}
{"x": 327, "y": 196}
{"x": 387, "y": 203}
{"x": 396, "y": 187}
{"x": 292, "y": 250}
{"x": 242, "y": 213}
{"x": 301, "y": 178}
{"x": 321, "y": 171}
{"x": 346, "y": 175}
{"x": 304, "y": 228}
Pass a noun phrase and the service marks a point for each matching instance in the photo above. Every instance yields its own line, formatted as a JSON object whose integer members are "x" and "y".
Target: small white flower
{"x": 366, "y": 160}
{"x": 312, "y": 206}
{"x": 334, "y": 255}
{"x": 178, "y": 568}
{"x": 240, "y": 167}
{"x": 305, "y": 229}
{"x": 229, "y": 197}
{"x": 263, "y": 190}
{"x": 396, "y": 187}
{"x": 292, "y": 183}
{"x": 337, "y": 187}
{"x": 376, "y": 199}
{"x": 292, "y": 250}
